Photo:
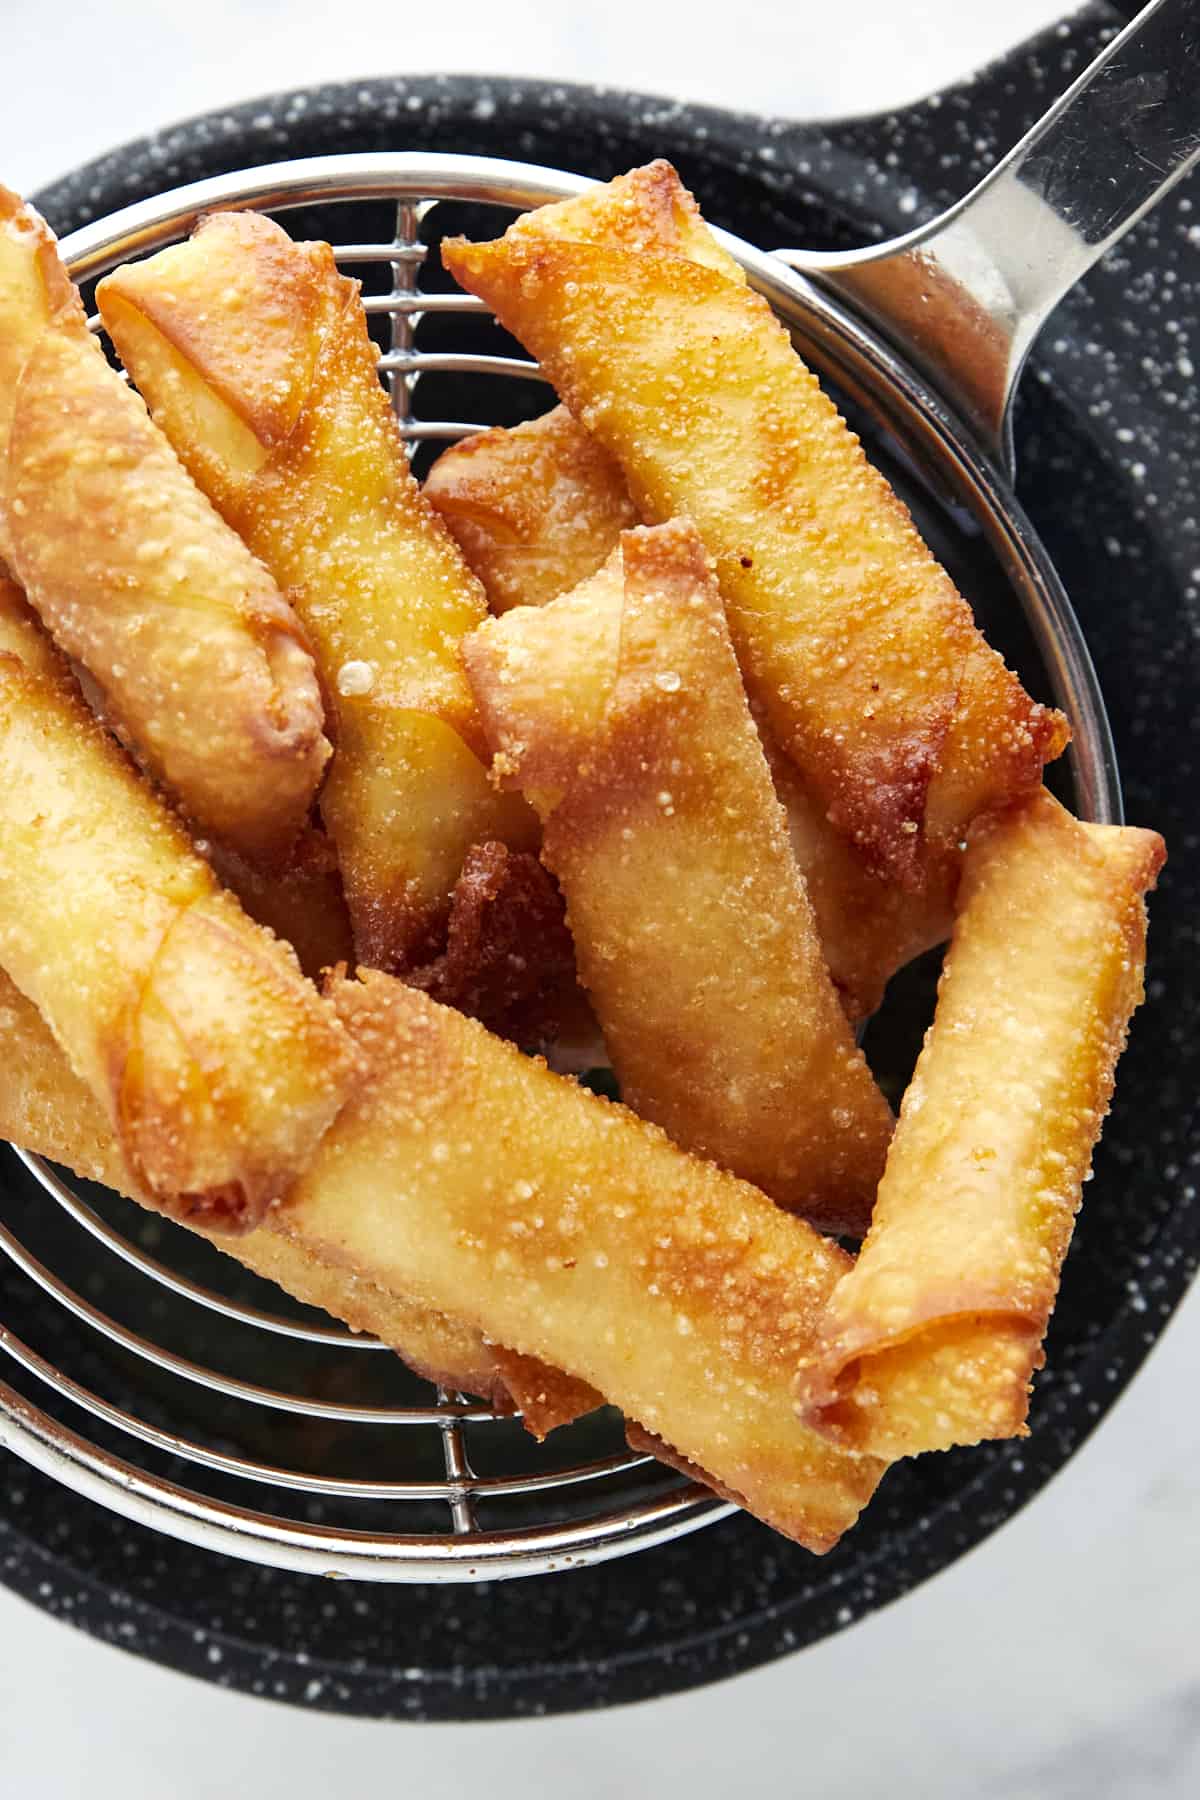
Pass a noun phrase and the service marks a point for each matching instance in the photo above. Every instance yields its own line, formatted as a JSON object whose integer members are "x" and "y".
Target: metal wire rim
{"x": 106, "y": 1234}
{"x": 863, "y": 364}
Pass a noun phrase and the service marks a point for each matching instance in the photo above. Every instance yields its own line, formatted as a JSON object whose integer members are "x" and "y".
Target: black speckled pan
{"x": 1106, "y": 441}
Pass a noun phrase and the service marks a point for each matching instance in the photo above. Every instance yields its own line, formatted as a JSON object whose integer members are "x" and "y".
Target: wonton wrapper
{"x": 852, "y": 639}
{"x": 466, "y": 1170}
{"x": 199, "y": 664}
{"x": 218, "y": 1066}
{"x": 933, "y": 1337}
{"x": 620, "y": 712}
{"x": 253, "y": 354}
{"x": 469, "y": 1176}
{"x": 48, "y": 1110}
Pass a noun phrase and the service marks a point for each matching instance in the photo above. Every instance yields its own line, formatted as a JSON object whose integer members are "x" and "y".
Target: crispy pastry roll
{"x": 301, "y": 903}
{"x": 933, "y": 1337}
{"x": 44, "y": 1107}
{"x": 200, "y": 665}
{"x": 217, "y": 1065}
{"x": 470, "y": 1177}
{"x": 253, "y": 354}
{"x": 851, "y": 637}
{"x": 535, "y": 509}
{"x": 620, "y": 711}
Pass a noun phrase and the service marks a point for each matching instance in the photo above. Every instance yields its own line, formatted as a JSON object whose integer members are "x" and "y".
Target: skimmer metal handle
{"x": 966, "y": 294}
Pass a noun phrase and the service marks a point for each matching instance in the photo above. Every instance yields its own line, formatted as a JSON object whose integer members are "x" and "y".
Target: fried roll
{"x": 933, "y": 1337}
{"x": 851, "y": 637}
{"x": 253, "y": 354}
{"x": 565, "y": 1228}
{"x": 620, "y": 711}
{"x": 217, "y": 1064}
{"x": 45, "y": 1108}
{"x": 200, "y": 665}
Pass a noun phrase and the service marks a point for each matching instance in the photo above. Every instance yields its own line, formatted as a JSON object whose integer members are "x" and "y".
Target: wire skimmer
{"x": 169, "y": 1385}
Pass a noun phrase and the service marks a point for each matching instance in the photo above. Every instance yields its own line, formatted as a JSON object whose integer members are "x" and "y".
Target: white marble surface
{"x": 77, "y": 85}
{"x": 1057, "y": 1662}
{"x": 1060, "y": 1659}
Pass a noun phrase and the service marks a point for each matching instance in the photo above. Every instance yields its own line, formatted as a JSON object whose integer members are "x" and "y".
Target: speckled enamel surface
{"x": 1108, "y": 444}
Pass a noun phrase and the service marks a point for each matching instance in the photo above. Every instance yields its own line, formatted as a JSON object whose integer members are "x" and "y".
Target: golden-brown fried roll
{"x": 620, "y": 711}
{"x": 851, "y": 637}
{"x": 475, "y": 1180}
{"x": 253, "y": 354}
{"x": 932, "y": 1338}
{"x": 45, "y": 1108}
{"x": 535, "y": 509}
{"x": 217, "y": 1064}
{"x": 201, "y": 666}
{"x": 465, "y": 1169}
